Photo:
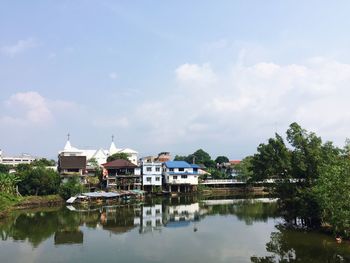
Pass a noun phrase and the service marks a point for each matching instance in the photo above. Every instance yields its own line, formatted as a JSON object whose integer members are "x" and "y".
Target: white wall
{"x": 153, "y": 180}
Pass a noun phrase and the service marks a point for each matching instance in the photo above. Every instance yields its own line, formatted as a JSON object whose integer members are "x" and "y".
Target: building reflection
{"x": 67, "y": 225}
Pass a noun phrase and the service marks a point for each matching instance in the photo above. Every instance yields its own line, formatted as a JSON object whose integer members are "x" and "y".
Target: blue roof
{"x": 195, "y": 166}
{"x": 177, "y": 164}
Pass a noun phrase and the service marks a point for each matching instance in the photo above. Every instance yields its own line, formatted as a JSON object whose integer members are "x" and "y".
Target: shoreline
{"x": 29, "y": 202}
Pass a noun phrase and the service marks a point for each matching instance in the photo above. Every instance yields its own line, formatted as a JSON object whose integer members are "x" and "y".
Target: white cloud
{"x": 195, "y": 75}
{"x": 245, "y": 104}
{"x": 31, "y": 108}
{"x": 34, "y": 106}
{"x": 20, "y": 47}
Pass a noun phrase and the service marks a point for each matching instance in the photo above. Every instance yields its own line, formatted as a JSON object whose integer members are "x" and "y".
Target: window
{"x": 148, "y": 179}
{"x": 184, "y": 176}
{"x": 149, "y": 169}
{"x": 158, "y": 179}
{"x": 148, "y": 212}
{"x": 181, "y": 169}
{"x": 157, "y": 169}
{"x": 175, "y": 177}
{"x": 157, "y": 211}
{"x": 171, "y": 169}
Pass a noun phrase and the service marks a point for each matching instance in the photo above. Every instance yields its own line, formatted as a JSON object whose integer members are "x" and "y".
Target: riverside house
{"x": 180, "y": 176}
{"x": 122, "y": 175}
{"x": 152, "y": 176}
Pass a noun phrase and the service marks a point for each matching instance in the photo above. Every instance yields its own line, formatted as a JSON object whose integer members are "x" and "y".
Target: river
{"x": 186, "y": 229}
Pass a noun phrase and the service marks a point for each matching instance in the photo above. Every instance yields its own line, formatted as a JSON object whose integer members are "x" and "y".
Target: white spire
{"x": 68, "y": 146}
{"x": 112, "y": 149}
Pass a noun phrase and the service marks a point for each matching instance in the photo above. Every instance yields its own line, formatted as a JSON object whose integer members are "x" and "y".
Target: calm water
{"x": 163, "y": 230}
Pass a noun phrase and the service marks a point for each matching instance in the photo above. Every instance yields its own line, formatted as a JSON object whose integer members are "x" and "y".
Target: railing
{"x": 223, "y": 181}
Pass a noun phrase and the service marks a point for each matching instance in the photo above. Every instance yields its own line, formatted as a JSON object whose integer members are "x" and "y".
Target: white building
{"x": 100, "y": 155}
{"x": 151, "y": 176}
{"x": 180, "y": 176}
{"x": 14, "y": 160}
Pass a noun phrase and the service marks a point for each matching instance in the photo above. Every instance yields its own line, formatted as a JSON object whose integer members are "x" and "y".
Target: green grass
{"x": 7, "y": 201}
{"x": 10, "y": 202}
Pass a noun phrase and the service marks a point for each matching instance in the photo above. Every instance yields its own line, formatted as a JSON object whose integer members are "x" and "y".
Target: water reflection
{"x": 173, "y": 229}
{"x": 64, "y": 224}
{"x": 290, "y": 245}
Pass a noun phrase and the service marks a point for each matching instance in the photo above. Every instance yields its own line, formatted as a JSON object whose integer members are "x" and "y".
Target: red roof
{"x": 119, "y": 163}
{"x": 235, "y": 161}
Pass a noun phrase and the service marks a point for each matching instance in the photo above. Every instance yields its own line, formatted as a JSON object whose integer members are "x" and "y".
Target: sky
{"x": 173, "y": 76}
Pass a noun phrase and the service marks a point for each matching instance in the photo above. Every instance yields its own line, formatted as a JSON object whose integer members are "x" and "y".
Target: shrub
{"x": 71, "y": 188}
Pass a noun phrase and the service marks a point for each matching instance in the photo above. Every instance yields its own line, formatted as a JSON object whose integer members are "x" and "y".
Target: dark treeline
{"x": 312, "y": 177}
{"x": 37, "y": 178}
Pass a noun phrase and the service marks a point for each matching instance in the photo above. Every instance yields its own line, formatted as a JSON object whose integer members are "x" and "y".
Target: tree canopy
{"x": 117, "y": 156}
{"x": 313, "y": 177}
{"x": 221, "y": 159}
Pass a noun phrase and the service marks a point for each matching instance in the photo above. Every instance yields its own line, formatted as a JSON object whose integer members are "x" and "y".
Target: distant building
{"x": 100, "y": 155}
{"x": 16, "y": 159}
{"x": 180, "y": 176}
{"x": 160, "y": 158}
{"x": 72, "y": 160}
{"x": 163, "y": 157}
{"x": 123, "y": 175}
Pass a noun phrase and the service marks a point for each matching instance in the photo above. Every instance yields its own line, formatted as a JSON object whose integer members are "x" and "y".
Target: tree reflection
{"x": 65, "y": 226}
{"x": 246, "y": 210}
{"x": 290, "y": 245}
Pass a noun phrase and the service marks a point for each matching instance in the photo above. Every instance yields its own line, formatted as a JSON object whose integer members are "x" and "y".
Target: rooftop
{"x": 119, "y": 163}
{"x": 177, "y": 164}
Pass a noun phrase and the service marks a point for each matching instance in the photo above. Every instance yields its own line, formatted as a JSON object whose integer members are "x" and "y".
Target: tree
{"x": 201, "y": 157}
{"x": 39, "y": 181}
{"x": 221, "y": 159}
{"x": 272, "y": 160}
{"x": 332, "y": 191}
{"x": 244, "y": 169}
{"x": 180, "y": 158}
{"x": 71, "y": 188}
{"x": 116, "y": 156}
{"x": 302, "y": 164}
{"x": 4, "y": 168}
{"x": 43, "y": 162}
{"x": 307, "y": 153}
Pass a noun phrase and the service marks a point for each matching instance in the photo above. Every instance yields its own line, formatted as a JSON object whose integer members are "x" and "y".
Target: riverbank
{"x": 9, "y": 203}
{"x": 261, "y": 191}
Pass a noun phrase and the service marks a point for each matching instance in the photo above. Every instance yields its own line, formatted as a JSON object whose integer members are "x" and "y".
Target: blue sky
{"x": 171, "y": 76}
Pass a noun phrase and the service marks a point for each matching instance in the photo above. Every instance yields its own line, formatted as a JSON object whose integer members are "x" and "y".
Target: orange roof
{"x": 235, "y": 161}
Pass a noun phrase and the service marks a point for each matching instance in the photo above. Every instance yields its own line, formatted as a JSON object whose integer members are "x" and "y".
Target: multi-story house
{"x": 122, "y": 174}
{"x": 152, "y": 176}
{"x": 180, "y": 176}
